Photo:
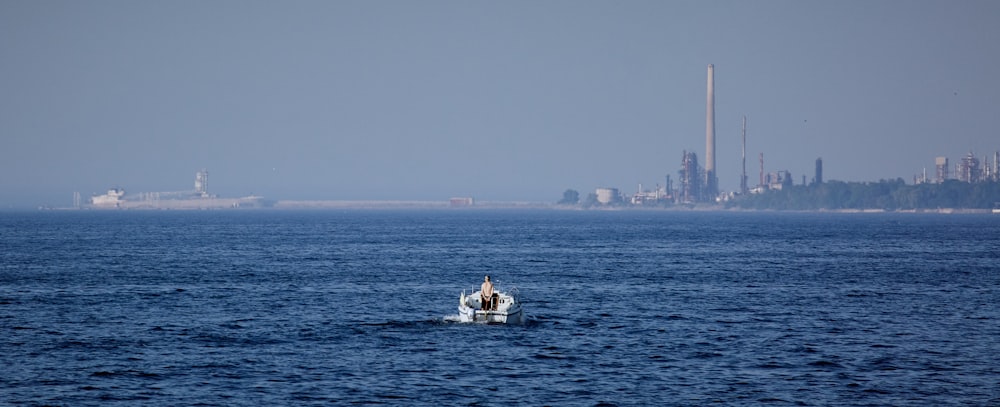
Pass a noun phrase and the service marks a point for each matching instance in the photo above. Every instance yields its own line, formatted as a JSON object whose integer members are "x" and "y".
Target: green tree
{"x": 570, "y": 197}
{"x": 884, "y": 194}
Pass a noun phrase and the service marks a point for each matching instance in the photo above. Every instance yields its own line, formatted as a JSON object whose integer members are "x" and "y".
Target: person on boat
{"x": 486, "y": 294}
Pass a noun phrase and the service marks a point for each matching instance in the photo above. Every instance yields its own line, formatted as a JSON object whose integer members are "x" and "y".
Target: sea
{"x": 626, "y": 307}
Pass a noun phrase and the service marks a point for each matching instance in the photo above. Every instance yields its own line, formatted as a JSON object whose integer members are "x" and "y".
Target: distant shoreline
{"x": 446, "y": 205}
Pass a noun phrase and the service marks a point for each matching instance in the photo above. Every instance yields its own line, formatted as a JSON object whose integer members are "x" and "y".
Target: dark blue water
{"x": 625, "y": 308}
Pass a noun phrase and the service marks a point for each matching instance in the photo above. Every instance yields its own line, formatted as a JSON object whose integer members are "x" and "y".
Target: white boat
{"x": 507, "y": 309}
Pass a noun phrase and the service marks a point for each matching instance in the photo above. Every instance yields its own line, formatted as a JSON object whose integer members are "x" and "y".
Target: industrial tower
{"x": 201, "y": 183}
{"x": 744, "y": 189}
{"x": 711, "y": 181}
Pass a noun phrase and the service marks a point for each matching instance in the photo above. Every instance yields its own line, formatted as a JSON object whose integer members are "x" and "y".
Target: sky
{"x": 500, "y": 101}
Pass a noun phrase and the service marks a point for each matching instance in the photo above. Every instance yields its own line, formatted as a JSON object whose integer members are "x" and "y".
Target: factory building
{"x": 690, "y": 179}
{"x": 698, "y": 184}
{"x": 607, "y": 196}
{"x": 995, "y": 175}
{"x": 941, "y": 164}
{"x": 201, "y": 183}
{"x": 968, "y": 169}
{"x": 657, "y": 196}
{"x": 778, "y": 180}
{"x": 818, "y": 179}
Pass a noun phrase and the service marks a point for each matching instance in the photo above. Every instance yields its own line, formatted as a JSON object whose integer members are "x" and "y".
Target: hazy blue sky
{"x": 500, "y": 100}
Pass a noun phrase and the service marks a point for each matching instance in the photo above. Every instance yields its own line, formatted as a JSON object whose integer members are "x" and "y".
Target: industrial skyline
{"x": 968, "y": 169}
{"x": 700, "y": 184}
{"x": 697, "y": 184}
{"x": 503, "y": 101}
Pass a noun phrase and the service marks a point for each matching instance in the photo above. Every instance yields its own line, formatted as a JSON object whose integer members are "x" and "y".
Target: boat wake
{"x": 453, "y": 318}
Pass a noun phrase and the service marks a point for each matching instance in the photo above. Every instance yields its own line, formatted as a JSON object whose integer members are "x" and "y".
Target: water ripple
{"x": 646, "y": 308}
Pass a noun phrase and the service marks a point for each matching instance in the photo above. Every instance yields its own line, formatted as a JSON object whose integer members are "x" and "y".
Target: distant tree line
{"x": 886, "y": 194}
{"x": 570, "y": 197}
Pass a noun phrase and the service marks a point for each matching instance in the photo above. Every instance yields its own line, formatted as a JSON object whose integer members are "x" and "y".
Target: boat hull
{"x": 508, "y": 310}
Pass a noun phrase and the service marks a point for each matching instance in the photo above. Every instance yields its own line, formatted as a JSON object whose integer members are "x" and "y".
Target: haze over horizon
{"x": 517, "y": 101}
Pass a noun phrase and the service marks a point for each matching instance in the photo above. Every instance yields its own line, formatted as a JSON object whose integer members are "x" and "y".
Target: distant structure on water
{"x": 461, "y": 202}
{"x": 690, "y": 179}
{"x": 818, "y": 179}
{"x": 696, "y": 185}
{"x": 201, "y": 183}
{"x": 199, "y": 198}
{"x": 942, "y": 169}
{"x": 607, "y": 196}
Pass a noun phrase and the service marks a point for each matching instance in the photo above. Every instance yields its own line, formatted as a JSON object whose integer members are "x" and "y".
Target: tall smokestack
{"x": 761, "y": 171}
{"x": 710, "y": 178}
{"x": 743, "y": 177}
